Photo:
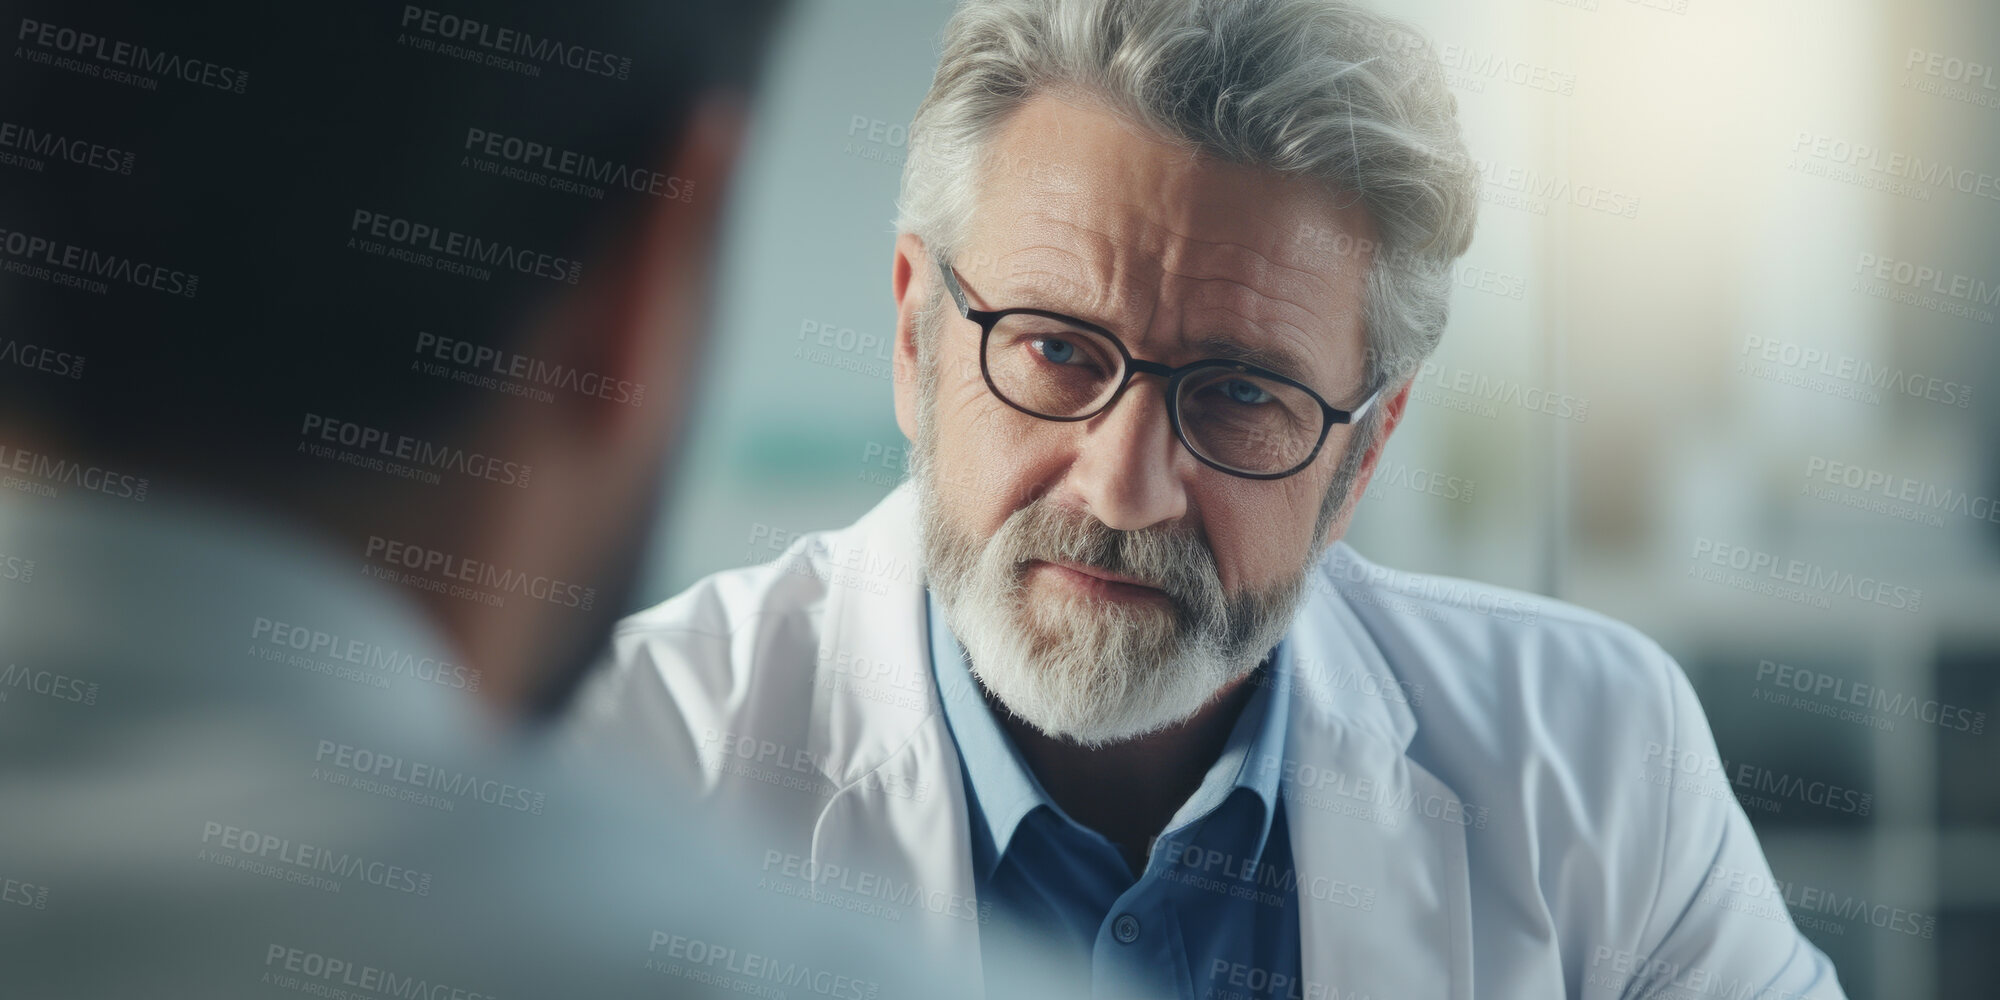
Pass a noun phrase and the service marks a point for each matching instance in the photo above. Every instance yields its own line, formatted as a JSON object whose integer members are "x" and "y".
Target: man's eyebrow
{"x": 1277, "y": 359}
{"x": 1053, "y": 292}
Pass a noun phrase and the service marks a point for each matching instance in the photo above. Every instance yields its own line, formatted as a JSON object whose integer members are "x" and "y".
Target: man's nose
{"x": 1127, "y": 470}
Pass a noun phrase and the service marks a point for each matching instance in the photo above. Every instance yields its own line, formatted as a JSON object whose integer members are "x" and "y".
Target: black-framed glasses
{"x": 1235, "y": 417}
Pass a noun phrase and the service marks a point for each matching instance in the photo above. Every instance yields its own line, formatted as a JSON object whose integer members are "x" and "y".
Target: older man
{"x": 1102, "y": 665}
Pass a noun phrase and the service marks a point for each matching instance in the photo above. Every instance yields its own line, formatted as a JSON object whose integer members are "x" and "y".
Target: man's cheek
{"x": 1259, "y": 536}
{"x": 995, "y": 468}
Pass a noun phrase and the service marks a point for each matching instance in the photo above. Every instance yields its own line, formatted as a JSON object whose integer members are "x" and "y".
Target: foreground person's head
{"x": 426, "y": 282}
{"x": 1260, "y": 203}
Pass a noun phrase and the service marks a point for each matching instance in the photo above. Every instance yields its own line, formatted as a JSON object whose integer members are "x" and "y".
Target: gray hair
{"x": 1319, "y": 88}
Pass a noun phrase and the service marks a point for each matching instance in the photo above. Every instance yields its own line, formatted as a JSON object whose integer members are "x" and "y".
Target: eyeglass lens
{"x": 1235, "y": 419}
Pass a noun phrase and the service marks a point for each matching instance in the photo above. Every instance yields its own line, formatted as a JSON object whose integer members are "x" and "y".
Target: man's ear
{"x": 1392, "y": 414}
{"x": 910, "y": 284}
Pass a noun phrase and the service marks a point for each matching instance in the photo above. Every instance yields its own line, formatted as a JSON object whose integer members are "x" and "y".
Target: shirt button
{"x": 1125, "y": 928}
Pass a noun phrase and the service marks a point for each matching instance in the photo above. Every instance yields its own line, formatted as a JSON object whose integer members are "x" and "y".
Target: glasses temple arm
{"x": 1366, "y": 405}
{"x": 951, "y": 285}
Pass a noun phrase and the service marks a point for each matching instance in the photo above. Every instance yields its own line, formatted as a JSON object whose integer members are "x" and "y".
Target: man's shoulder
{"x": 716, "y": 624}
{"x": 1549, "y": 721}
{"x": 1507, "y": 672}
{"x": 801, "y": 571}
{"x": 756, "y": 640}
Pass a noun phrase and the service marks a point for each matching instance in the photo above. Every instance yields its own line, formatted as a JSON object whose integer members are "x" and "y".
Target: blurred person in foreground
{"x": 1164, "y": 271}
{"x": 344, "y": 349}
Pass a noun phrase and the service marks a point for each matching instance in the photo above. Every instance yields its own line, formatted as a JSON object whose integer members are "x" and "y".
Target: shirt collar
{"x": 1004, "y": 791}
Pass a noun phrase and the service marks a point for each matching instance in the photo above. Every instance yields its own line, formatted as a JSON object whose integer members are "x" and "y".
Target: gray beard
{"x": 1088, "y": 671}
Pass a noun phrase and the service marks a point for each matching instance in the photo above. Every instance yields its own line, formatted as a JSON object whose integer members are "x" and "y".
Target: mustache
{"x": 1175, "y": 561}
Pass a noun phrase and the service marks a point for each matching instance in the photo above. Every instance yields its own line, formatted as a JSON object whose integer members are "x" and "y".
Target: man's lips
{"x": 1100, "y": 582}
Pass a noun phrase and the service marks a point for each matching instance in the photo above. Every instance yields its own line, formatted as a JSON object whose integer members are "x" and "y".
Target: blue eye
{"x": 1057, "y": 351}
{"x": 1239, "y": 391}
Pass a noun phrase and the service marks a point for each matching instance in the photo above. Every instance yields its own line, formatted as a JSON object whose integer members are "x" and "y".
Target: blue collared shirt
{"x": 1216, "y": 912}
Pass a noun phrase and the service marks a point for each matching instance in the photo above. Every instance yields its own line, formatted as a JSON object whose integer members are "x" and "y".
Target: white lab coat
{"x": 1489, "y": 794}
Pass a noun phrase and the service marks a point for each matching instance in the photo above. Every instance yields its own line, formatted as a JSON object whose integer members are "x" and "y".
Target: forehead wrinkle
{"x": 1277, "y": 342}
{"x": 1098, "y": 274}
{"x": 1036, "y": 274}
{"x": 1051, "y": 290}
{"x": 1295, "y": 352}
{"x": 1105, "y": 264}
{"x": 1165, "y": 248}
{"x": 1265, "y": 260}
{"x": 1244, "y": 302}
{"x": 1175, "y": 254}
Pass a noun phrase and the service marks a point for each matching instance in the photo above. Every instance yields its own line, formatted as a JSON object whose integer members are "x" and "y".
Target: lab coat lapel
{"x": 898, "y": 819}
{"x": 1377, "y": 840}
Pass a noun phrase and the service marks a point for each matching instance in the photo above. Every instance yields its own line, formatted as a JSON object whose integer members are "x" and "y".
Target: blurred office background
{"x": 1748, "y": 254}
